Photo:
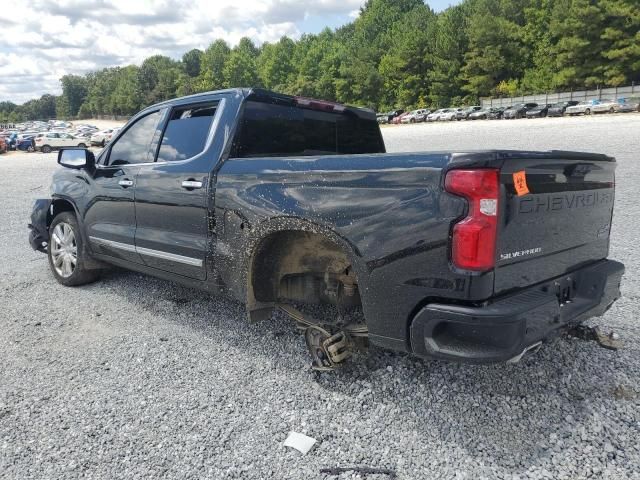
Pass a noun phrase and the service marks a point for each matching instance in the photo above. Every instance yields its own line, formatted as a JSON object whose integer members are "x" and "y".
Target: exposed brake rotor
{"x": 328, "y": 350}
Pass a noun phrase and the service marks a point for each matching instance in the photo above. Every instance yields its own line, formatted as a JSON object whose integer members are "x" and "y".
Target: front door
{"x": 172, "y": 195}
{"x": 110, "y": 218}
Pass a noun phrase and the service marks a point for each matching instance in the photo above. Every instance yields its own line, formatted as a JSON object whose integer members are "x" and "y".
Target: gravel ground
{"x": 134, "y": 377}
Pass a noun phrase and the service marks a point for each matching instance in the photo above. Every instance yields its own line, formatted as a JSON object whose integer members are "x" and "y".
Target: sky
{"x": 42, "y": 40}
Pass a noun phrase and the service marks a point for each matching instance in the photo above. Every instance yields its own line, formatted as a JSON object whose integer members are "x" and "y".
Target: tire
{"x": 587, "y": 111}
{"x": 611, "y": 110}
{"x": 413, "y": 120}
{"x": 30, "y": 148}
{"x": 103, "y": 143}
{"x": 82, "y": 145}
{"x": 46, "y": 149}
{"x": 65, "y": 247}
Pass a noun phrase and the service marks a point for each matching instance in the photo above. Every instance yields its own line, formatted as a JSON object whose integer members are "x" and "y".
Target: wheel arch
{"x": 59, "y": 205}
{"x": 287, "y": 247}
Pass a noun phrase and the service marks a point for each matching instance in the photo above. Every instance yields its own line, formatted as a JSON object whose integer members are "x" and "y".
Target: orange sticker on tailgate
{"x": 520, "y": 182}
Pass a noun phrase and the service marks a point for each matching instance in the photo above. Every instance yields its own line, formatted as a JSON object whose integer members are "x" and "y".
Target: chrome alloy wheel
{"x": 64, "y": 250}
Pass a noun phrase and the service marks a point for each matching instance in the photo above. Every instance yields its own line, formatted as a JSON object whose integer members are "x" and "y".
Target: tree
{"x": 191, "y": 62}
{"x": 538, "y": 39}
{"x": 74, "y": 91}
{"x": 578, "y": 26}
{"x": 211, "y": 75}
{"x": 622, "y": 37}
{"x": 274, "y": 63}
{"x": 240, "y": 69}
{"x": 496, "y": 49}
{"x": 449, "y": 41}
{"x": 157, "y": 79}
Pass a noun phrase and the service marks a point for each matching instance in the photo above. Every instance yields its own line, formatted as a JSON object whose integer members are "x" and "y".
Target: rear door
{"x": 172, "y": 194}
{"x": 556, "y": 216}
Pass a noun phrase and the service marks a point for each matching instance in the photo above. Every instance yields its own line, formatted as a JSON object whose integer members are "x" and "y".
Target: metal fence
{"x": 582, "y": 95}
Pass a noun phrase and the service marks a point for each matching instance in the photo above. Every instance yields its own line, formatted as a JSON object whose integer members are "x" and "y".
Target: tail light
{"x": 319, "y": 104}
{"x": 473, "y": 239}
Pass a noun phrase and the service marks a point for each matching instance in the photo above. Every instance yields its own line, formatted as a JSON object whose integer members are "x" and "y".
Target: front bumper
{"x": 38, "y": 231}
{"x": 509, "y": 325}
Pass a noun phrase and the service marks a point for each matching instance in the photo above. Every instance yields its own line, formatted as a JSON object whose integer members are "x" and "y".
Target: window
{"x": 286, "y": 130}
{"x": 134, "y": 146}
{"x": 186, "y": 133}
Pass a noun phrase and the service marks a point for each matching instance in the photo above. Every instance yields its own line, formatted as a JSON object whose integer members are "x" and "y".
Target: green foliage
{"x": 74, "y": 92}
{"x": 211, "y": 75}
{"x": 191, "y": 62}
{"x": 395, "y": 54}
{"x": 240, "y": 69}
{"x": 622, "y": 35}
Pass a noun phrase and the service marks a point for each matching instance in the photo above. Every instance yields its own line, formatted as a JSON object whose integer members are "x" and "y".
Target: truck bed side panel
{"x": 389, "y": 208}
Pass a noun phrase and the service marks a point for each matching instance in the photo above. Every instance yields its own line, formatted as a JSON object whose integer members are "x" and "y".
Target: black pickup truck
{"x": 283, "y": 202}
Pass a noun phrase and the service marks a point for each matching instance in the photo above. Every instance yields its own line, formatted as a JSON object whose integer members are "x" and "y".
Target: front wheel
{"x": 587, "y": 111}
{"x": 66, "y": 252}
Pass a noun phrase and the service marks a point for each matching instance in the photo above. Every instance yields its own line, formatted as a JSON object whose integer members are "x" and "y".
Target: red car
{"x": 396, "y": 120}
{"x": 3, "y": 145}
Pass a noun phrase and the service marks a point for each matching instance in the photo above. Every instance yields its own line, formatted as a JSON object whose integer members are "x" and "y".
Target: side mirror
{"x": 77, "y": 158}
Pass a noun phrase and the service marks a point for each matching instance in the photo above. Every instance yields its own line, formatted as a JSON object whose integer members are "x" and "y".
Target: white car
{"x": 582, "y": 107}
{"x": 449, "y": 114}
{"x": 606, "y": 106}
{"x": 414, "y": 116}
{"x": 46, "y": 142}
{"x": 102, "y": 138}
{"x": 435, "y": 116}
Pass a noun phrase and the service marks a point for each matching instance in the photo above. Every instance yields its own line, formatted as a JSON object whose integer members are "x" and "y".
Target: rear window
{"x": 269, "y": 130}
{"x": 186, "y": 133}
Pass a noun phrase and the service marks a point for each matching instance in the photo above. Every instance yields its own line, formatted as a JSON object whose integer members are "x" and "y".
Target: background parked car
{"x": 393, "y": 114}
{"x": 495, "y": 113}
{"x": 435, "y": 116}
{"x": 47, "y": 142}
{"x": 422, "y": 117}
{"x": 606, "y": 106}
{"x": 629, "y": 104}
{"x": 538, "y": 112}
{"x": 479, "y": 114}
{"x": 27, "y": 143}
{"x": 396, "y": 120}
{"x": 449, "y": 115}
{"x": 519, "y": 110}
{"x": 557, "y": 109}
{"x": 3, "y": 145}
{"x": 414, "y": 116}
{"x": 465, "y": 112}
{"x": 581, "y": 108}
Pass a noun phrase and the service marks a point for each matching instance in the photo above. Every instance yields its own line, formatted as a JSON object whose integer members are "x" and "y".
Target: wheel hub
{"x": 64, "y": 250}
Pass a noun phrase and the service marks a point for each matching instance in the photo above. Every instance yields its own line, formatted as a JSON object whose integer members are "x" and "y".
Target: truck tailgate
{"x": 555, "y": 216}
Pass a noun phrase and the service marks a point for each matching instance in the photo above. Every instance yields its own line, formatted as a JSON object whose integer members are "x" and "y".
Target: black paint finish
{"x": 388, "y": 211}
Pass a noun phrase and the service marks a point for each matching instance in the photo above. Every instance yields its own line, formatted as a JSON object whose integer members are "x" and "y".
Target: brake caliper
{"x": 327, "y": 351}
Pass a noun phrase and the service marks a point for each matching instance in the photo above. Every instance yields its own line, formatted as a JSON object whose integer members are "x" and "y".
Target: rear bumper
{"x": 504, "y": 328}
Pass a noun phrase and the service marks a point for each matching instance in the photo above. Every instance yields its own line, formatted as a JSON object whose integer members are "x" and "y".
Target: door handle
{"x": 191, "y": 184}
{"x": 126, "y": 183}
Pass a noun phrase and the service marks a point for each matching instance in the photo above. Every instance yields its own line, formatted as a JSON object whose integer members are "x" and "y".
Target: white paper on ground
{"x": 300, "y": 442}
